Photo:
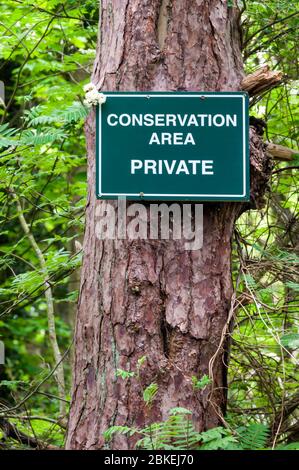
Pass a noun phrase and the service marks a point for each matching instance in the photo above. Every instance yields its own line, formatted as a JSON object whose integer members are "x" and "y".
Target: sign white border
{"x": 149, "y": 95}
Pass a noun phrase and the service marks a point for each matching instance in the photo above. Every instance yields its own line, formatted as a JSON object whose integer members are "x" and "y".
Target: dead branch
{"x": 261, "y": 80}
{"x": 279, "y": 152}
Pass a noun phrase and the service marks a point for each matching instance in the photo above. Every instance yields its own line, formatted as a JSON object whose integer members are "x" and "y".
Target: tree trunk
{"x": 177, "y": 314}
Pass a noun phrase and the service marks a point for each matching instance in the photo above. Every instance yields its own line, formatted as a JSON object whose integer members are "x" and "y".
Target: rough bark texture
{"x": 154, "y": 298}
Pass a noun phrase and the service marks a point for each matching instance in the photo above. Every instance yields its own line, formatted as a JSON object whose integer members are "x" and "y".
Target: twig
{"x": 284, "y": 169}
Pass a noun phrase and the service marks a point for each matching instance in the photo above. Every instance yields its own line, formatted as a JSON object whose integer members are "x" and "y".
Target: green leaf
{"x": 124, "y": 374}
{"x": 118, "y": 429}
{"x": 199, "y": 384}
{"x": 179, "y": 410}
{"x": 149, "y": 393}
{"x": 254, "y": 436}
{"x": 290, "y": 340}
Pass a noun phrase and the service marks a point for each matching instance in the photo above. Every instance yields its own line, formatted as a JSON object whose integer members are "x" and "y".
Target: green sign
{"x": 173, "y": 146}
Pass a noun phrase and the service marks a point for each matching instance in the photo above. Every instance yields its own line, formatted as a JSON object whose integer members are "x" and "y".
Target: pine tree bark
{"x": 176, "y": 316}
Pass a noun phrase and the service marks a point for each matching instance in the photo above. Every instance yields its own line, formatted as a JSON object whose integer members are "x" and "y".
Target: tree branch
{"x": 261, "y": 80}
{"x": 257, "y": 83}
{"x": 286, "y": 168}
{"x": 279, "y": 152}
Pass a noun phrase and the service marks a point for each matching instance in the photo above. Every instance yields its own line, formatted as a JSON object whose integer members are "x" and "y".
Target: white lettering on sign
{"x": 112, "y": 119}
{"x": 177, "y": 138}
{"x": 173, "y": 167}
{"x": 173, "y": 120}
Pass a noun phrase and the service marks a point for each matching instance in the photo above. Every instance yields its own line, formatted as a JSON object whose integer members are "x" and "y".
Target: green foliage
{"x": 10, "y": 384}
{"x": 124, "y": 374}
{"x": 218, "y": 439}
{"x": 270, "y": 33}
{"x": 149, "y": 393}
{"x": 290, "y": 340}
{"x": 177, "y": 432}
{"x": 118, "y": 429}
{"x": 291, "y": 446}
{"x": 141, "y": 361}
{"x": 199, "y": 384}
{"x": 46, "y": 54}
{"x": 263, "y": 370}
{"x": 254, "y": 437}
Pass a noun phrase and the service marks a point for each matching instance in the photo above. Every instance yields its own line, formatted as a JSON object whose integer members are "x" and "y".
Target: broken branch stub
{"x": 261, "y": 80}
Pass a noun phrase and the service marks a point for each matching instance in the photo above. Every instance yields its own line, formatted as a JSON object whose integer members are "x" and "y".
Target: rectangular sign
{"x": 173, "y": 146}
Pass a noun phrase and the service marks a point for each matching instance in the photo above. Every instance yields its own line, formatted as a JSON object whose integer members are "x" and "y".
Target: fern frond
{"x": 47, "y": 136}
{"x": 71, "y": 114}
{"x": 74, "y": 113}
{"x": 118, "y": 429}
{"x": 149, "y": 393}
{"x": 254, "y": 436}
{"x": 291, "y": 446}
{"x": 42, "y": 120}
{"x": 6, "y": 134}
